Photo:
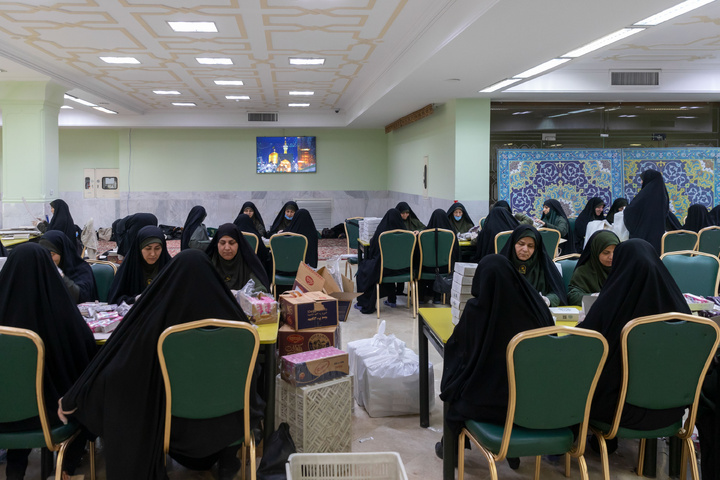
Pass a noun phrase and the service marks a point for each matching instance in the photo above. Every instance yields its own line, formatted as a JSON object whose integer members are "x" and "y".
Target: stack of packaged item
{"x": 368, "y": 225}
{"x": 462, "y": 284}
{"x": 260, "y": 307}
{"x": 102, "y": 317}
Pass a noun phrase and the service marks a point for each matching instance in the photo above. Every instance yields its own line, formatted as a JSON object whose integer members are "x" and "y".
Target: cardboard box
{"x": 291, "y": 342}
{"x": 465, "y": 269}
{"x": 301, "y": 311}
{"x": 314, "y": 366}
{"x": 565, "y": 314}
{"x": 461, "y": 279}
{"x": 261, "y": 308}
{"x": 309, "y": 280}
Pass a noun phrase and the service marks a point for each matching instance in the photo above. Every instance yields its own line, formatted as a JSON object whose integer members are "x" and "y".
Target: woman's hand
{"x": 61, "y": 413}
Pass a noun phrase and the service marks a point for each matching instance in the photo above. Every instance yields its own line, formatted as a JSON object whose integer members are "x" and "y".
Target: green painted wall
{"x": 472, "y": 149}
{"x": 220, "y": 159}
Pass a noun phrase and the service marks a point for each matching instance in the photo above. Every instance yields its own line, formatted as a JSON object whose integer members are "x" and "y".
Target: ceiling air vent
{"x": 262, "y": 117}
{"x": 642, "y": 78}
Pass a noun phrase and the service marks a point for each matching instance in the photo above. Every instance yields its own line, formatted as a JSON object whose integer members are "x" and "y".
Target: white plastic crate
{"x": 319, "y": 415}
{"x": 345, "y": 466}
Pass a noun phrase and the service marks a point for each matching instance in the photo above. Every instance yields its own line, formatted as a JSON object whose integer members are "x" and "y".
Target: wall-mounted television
{"x": 286, "y": 155}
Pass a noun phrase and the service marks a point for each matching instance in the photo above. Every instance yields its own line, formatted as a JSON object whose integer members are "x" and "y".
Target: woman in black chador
{"x": 126, "y": 229}
{"x": 246, "y": 224}
{"x": 593, "y": 211}
{"x": 235, "y": 261}
{"x": 194, "y": 234}
{"x": 63, "y": 221}
{"x": 500, "y": 219}
{"x": 648, "y": 216}
{"x": 283, "y": 218}
{"x": 77, "y": 274}
{"x": 303, "y": 224}
{"x": 698, "y": 218}
{"x": 251, "y": 211}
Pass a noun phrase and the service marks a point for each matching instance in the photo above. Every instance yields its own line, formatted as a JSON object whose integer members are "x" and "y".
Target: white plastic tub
{"x": 345, "y": 466}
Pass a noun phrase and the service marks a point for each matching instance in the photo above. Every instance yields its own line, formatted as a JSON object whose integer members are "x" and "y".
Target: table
{"x": 362, "y": 249}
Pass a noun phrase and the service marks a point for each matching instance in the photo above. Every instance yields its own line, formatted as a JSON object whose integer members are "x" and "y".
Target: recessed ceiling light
{"x": 542, "y": 67}
{"x": 229, "y": 82}
{"x": 298, "y": 104}
{"x": 80, "y": 101}
{"x": 307, "y": 61}
{"x": 214, "y": 61}
{"x": 636, "y": 144}
{"x": 67, "y": 107}
{"x": 105, "y": 110}
{"x": 237, "y": 97}
{"x": 603, "y": 42}
{"x": 301, "y": 93}
{"x": 673, "y": 12}
{"x": 184, "y": 104}
{"x": 522, "y": 113}
{"x": 627, "y": 116}
{"x": 685, "y": 116}
{"x": 499, "y": 85}
{"x": 201, "y": 27}
{"x": 121, "y": 60}
{"x": 166, "y": 92}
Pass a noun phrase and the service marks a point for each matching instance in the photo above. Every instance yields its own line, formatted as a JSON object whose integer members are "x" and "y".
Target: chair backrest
{"x": 567, "y": 265}
{"x": 252, "y": 239}
{"x": 104, "y": 273}
{"x": 694, "y": 272}
{"x": 551, "y": 240}
{"x": 709, "y": 240}
{"x": 573, "y": 359}
{"x": 446, "y": 243}
{"x": 571, "y": 223}
{"x": 288, "y": 250}
{"x": 501, "y": 239}
{"x": 207, "y": 368}
{"x": 676, "y": 240}
{"x": 665, "y": 359}
{"x": 22, "y": 354}
{"x": 352, "y": 232}
{"x": 397, "y": 248}
{"x": 482, "y": 222}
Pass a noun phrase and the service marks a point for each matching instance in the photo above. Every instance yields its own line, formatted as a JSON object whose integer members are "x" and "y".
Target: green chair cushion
{"x": 352, "y": 260}
{"x": 668, "y": 431}
{"x": 524, "y": 442}
{"x": 284, "y": 279}
{"x": 397, "y": 279}
{"x": 35, "y": 438}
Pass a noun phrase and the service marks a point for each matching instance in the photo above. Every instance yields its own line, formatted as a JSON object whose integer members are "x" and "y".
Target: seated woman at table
{"x": 76, "y": 273}
{"x": 246, "y": 224}
{"x": 438, "y": 219}
{"x": 500, "y": 219}
{"x": 520, "y": 217}
{"x": 554, "y": 216}
{"x": 126, "y": 229}
{"x": 593, "y": 266}
{"x": 146, "y": 258}
{"x": 235, "y": 261}
{"x": 593, "y": 210}
{"x": 63, "y": 221}
{"x": 411, "y": 221}
{"x": 251, "y": 211}
{"x": 369, "y": 269}
{"x": 698, "y": 218}
{"x": 617, "y": 206}
{"x": 120, "y": 395}
{"x": 194, "y": 234}
{"x": 526, "y": 252}
{"x": 638, "y": 285}
{"x": 474, "y": 381}
{"x": 459, "y": 219}
{"x": 283, "y": 218}
{"x": 303, "y": 224}
{"x": 34, "y": 297}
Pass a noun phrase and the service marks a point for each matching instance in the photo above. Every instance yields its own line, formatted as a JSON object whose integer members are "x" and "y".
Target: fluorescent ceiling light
{"x": 67, "y": 107}
{"x": 214, "y": 61}
{"x": 673, "y": 12}
{"x": 603, "y": 42}
{"x": 307, "y": 61}
{"x": 301, "y": 93}
{"x": 80, "y": 101}
{"x": 572, "y": 113}
{"x": 522, "y": 113}
{"x": 499, "y": 85}
{"x": 237, "y": 97}
{"x": 166, "y": 92}
{"x": 202, "y": 27}
{"x": 105, "y": 110}
{"x": 636, "y": 144}
{"x": 184, "y": 104}
{"x": 542, "y": 67}
{"x": 229, "y": 82}
{"x": 121, "y": 60}
{"x": 627, "y": 116}
{"x": 685, "y": 116}
{"x": 298, "y": 104}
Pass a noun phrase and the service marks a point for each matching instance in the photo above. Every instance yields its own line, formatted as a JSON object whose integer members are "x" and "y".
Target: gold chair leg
{"x": 253, "y": 467}
{"x": 92, "y": 460}
{"x": 583, "y": 467}
{"x": 377, "y": 299}
{"x": 461, "y": 456}
{"x": 538, "y": 459}
{"x": 243, "y": 459}
{"x": 688, "y": 444}
{"x": 603, "y": 454}
{"x": 641, "y": 458}
{"x": 684, "y": 458}
{"x": 567, "y": 464}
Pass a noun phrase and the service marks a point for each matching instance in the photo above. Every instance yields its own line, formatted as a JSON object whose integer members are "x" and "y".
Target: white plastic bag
{"x": 619, "y": 227}
{"x": 333, "y": 266}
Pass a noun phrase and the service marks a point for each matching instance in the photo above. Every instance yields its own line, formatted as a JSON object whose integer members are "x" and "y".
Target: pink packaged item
{"x": 314, "y": 366}
{"x": 260, "y": 307}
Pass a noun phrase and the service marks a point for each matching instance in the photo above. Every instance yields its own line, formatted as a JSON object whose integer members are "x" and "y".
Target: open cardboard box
{"x": 310, "y": 280}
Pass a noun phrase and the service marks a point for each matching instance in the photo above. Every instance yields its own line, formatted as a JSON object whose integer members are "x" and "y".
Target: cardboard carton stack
{"x": 368, "y": 225}
{"x": 462, "y": 283}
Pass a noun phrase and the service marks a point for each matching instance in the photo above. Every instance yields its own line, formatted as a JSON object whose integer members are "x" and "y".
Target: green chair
{"x": 567, "y": 264}
{"x": 352, "y": 233}
{"x": 501, "y": 239}
{"x": 397, "y": 248}
{"x": 22, "y": 354}
{"x": 541, "y": 416}
{"x": 252, "y": 239}
{"x": 211, "y": 231}
{"x": 709, "y": 240}
{"x": 482, "y": 222}
{"x": 677, "y": 240}
{"x": 445, "y": 246}
{"x": 104, "y": 273}
{"x": 551, "y": 240}
{"x": 694, "y": 272}
{"x": 665, "y": 358}
{"x": 207, "y": 367}
{"x": 288, "y": 251}
{"x": 571, "y": 224}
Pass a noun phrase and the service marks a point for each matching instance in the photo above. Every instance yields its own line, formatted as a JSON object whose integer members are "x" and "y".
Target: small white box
{"x": 460, "y": 288}
{"x": 455, "y": 312}
{"x": 457, "y": 304}
{"x": 466, "y": 269}
{"x": 565, "y": 314}
{"x": 461, "y": 279}
{"x": 461, "y": 297}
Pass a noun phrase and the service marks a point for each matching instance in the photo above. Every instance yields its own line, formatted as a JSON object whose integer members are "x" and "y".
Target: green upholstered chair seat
{"x": 431, "y": 275}
{"x": 526, "y": 442}
{"x": 352, "y": 260}
{"x": 284, "y": 279}
{"x": 35, "y": 438}
{"x": 668, "y": 431}
{"x": 397, "y": 278}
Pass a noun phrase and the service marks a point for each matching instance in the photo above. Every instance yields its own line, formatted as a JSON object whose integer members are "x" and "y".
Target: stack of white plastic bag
{"x": 386, "y": 375}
